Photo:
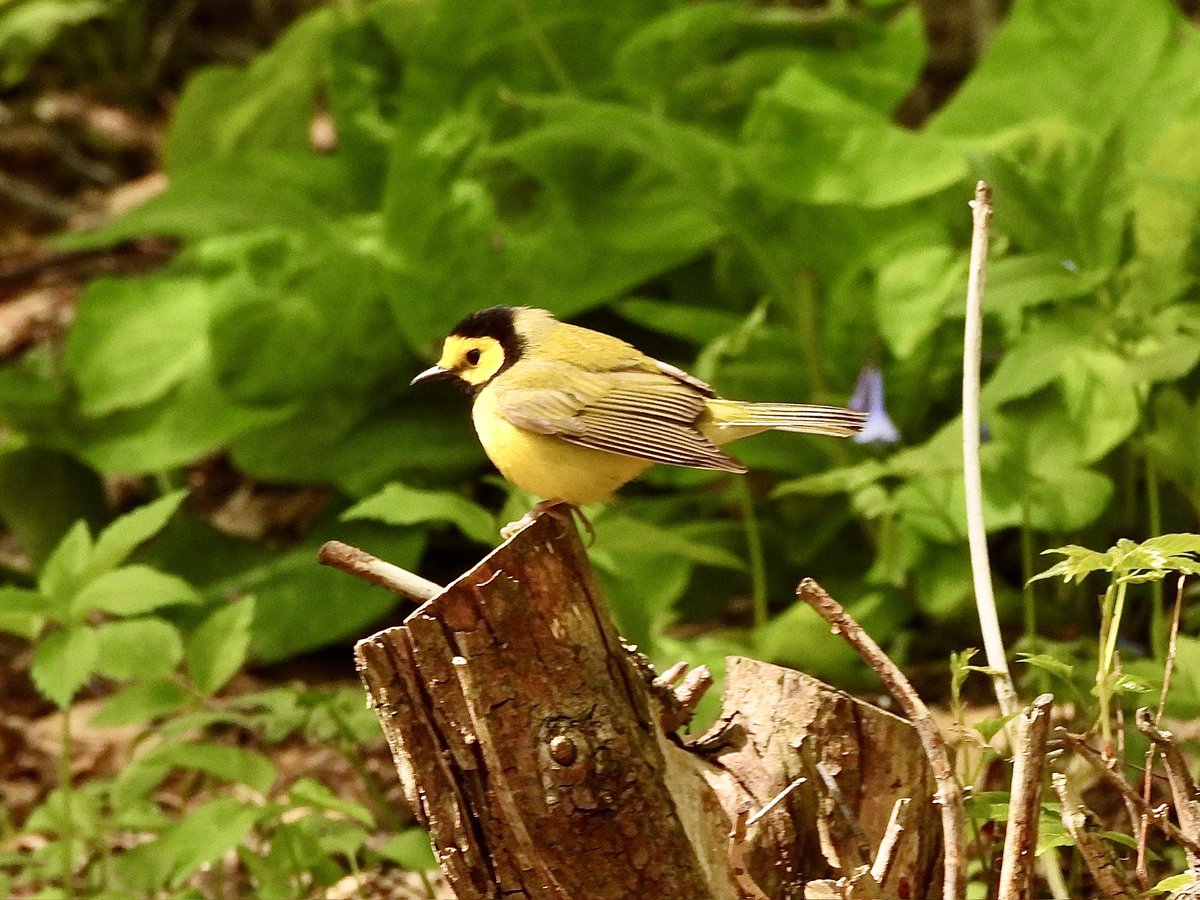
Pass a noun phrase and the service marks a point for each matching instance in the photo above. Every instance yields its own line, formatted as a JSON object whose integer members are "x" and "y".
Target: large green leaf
{"x": 269, "y": 105}
{"x": 132, "y": 342}
{"x": 1086, "y": 61}
{"x": 586, "y": 204}
{"x": 399, "y": 504}
{"x": 707, "y": 61}
{"x": 801, "y": 122}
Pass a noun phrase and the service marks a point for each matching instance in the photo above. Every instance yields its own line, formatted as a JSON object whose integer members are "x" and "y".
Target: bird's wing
{"x": 640, "y": 411}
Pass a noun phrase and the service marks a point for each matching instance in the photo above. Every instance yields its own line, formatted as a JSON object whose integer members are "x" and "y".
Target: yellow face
{"x": 473, "y": 359}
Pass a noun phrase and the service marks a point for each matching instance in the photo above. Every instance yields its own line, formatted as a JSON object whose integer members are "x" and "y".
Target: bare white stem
{"x": 985, "y": 599}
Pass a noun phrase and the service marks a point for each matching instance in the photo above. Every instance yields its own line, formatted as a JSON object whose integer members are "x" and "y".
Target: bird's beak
{"x": 433, "y": 373}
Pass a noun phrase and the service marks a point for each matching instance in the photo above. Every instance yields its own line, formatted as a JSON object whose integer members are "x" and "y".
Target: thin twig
{"x": 985, "y": 599}
{"x": 1096, "y": 855}
{"x": 890, "y": 842}
{"x": 376, "y": 571}
{"x": 737, "y": 857}
{"x": 858, "y": 843}
{"x": 1148, "y": 775}
{"x": 1029, "y": 762}
{"x": 949, "y": 791}
{"x": 775, "y": 801}
{"x": 1158, "y": 816}
{"x": 1183, "y": 790}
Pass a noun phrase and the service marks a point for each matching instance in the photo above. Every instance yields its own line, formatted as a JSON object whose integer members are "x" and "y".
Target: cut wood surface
{"x": 530, "y": 742}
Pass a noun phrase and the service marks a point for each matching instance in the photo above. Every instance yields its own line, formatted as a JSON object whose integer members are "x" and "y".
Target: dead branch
{"x": 949, "y": 790}
{"x": 1097, "y": 856}
{"x": 1148, "y": 775}
{"x": 1183, "y": 790}
{"x": 1159, "y": 816}
{"x": 374, "y": 570}
{"x": 1020, "y": 837}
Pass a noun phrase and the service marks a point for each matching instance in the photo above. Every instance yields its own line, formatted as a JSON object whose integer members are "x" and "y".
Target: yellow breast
{"x": 548, "y": 466}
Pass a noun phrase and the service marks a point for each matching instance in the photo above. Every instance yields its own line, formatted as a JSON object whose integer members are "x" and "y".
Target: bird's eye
{"x": 473, "y": 357}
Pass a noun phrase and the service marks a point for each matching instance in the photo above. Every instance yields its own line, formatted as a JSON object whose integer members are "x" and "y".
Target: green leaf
{"x": 29, "y": 29}
{"x": 308, "y": 792}
{"x": 267, "y": 105}
{"x": 22, "y": 600}
{"x": 1099, "y": 401}
{"x": 234, "y": 764}
{"x": 137, "y": 649}
{"x": 299, "y": 605}
{"x": 142, "y": 702}
{"x": 618, "y": 536}
{"x": 1174, "y": 883}
{"x": 398, "y": 504}
{"x": 132, "y": 590}
{"x": 916, "y": 291}
{"x": 22, "y": 611}
{"x": 127, "y": 533}
{"x": 226, "y": 198}
{"x": 43, "y": 493}
{"x": 217, "y": 649}
{"x": 1079, "y": 55}
{"x": 989, "y": 728}
{"x": 133, "y": 341}
{"x": 60, "y": 575}
{"x": 63, "y": 661}
{"x": 584, "y": 206}
{"x": 802, "y": 122}
{"x": 1079, "y": 562}
{"x": 411, "y": 849}
{"x": 1019, "y": 282}
{"x": 1047, "y": 663}
{"x": 206, "y": 834}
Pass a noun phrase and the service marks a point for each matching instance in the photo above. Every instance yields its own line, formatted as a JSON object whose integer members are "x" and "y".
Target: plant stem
{"x": 559, "y": 71}
{"x": 68, "y": 825}
{"x": 1030, "y": 602}
{"x": 754, "y": 548}
{"x": 985, "y": 599}
{"x": 1110, "y": 620}
{"x": 1158, "y": 620}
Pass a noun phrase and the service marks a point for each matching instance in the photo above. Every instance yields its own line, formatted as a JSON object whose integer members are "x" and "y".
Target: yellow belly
{"x": 547, "y": 466}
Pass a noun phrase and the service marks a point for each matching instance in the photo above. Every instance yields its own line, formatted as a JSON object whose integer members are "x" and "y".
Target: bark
{"x": 530, "y": 742}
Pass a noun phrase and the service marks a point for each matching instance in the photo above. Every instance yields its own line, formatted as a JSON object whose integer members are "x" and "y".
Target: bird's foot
{"x": 560, "y": 510}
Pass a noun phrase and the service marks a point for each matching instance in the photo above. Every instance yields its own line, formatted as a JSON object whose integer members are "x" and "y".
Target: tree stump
{"x": 530, "y": 743}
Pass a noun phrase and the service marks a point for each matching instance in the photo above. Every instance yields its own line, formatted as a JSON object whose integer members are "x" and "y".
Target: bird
{"x": 571, "y": 414}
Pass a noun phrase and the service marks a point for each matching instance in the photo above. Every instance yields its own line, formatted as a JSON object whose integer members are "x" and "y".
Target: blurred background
{"x": 230, "y": 233}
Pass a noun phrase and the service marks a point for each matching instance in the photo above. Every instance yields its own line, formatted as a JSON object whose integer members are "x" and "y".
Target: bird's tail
{"x": 808, "y": 418}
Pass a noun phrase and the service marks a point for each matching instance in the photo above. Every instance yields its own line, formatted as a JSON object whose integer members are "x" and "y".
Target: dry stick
{"x": 949, "y": 791}
{"x": 985, "y": 599}
{"x": 737, "y": 857}
{"x": 857, "y": 843}
{"x": 1157, "y": 815}
{"x": 1183, "y": 791}
{"x": 1096, "y": 856}
{"x": 890, "y": 842}
{"x": 1148, "y": 776}
{"x": 1020, "y": 837}
{"x": 981, "y": 573}
{"x": 376, "y": 571}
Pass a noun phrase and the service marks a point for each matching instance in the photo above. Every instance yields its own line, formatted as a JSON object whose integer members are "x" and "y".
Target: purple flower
{"x": 868, "y": 398}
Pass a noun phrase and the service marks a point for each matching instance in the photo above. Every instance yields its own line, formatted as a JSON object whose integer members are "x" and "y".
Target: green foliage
{"x": 726, "y": 184}
{"x": 728, "y": 179}
{"x": 1127, "y": 563}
